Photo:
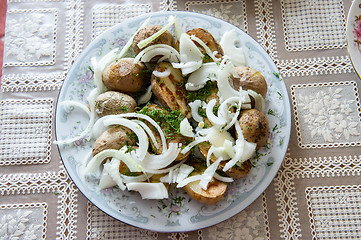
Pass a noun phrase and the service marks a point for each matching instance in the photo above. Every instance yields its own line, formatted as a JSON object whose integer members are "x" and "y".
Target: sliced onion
{"x": 148, "y": 40}
{"x": 221, "y": 178}
{"x": 189, "y": 180}
{"x": 106, "y": 180}
{"x": 152, "y": 161}
{"x": 164, "y": 170}
{"x": 206, "y": 48}
{"x": 178, "y": 174}
{"x": 194, "y": 110}
{"x": 143, "y": 141}
{"x": 130, "y": 41}
{"x": 208, "y": 174}
{"x": 95, "y": 162}
{"x": 149, "y": 190}
{"x": 92, "y": 116}
{"x": 224, "y": 87}
{"x": 149, "y": 132}
{"x": 193, "y": 144}
{"x": 197, "y": 80}
{"x": 210, "y": 115}
{"x": 140, "y": 178}
{"x": 146, "y": 96}
{"x": 230, "y": 42}
{"x": 114, "y": 173}
{"x": 260, "y": 103}
{"x": 186, "y": 128}
{"x": 151, "y": 121}
{"x": 163, "y": 74}
{"x": 150, "y": 52}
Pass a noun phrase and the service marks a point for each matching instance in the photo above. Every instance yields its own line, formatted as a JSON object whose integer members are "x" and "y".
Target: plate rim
{"x": 257, "y": 191}
{"x": 349, "y": 33}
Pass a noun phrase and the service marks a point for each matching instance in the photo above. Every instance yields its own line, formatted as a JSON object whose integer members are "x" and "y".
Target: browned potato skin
{"x": 208, "y": 39}
{"x": 114, "y": 138}
{"x": 171, "y": 91}
{"x": 212, "y": 195}
{"x": 176, "y": 138}
{"x": 144, "y": 33}
{"x": 113, "y": 102}
{"x": 125, "y": 76}
{"x": 249, "y": 78}
{"x": 255, "y": 126}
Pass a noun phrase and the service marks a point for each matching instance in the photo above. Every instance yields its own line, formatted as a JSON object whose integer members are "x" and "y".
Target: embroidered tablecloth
{"x": 315, "y": 195}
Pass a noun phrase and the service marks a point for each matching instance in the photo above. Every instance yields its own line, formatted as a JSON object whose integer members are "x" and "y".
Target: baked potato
{"x": 255, "y": 126}
{"x": 115, "y": 137}
{"x": 113, "y": 102}
{"x": 208, "y": 39}
{"x": 144, "y": 33}
{"x": 125, "y": 76}
{"x": 170, "y": 90}
{"x": 214, "y": 193}
{"x": 249, "y": 78}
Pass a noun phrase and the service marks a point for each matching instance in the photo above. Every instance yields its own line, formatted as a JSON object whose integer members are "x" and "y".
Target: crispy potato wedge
{"x": 170, "y": 90}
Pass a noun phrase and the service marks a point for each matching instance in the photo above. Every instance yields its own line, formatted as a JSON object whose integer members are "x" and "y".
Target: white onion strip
{"x": 221, "y": 178}
{"x": 146, "y": 96}
{"x": 130, "y": 41}
{"x": 163, "y": 74}
{"x": 210, "y": 115}
{"x": 193, "y": 144}
{"x": 155, "y": 50}
{"x": 164, "y": 170}
{"x": 114, "y": 173}
{"x": 95, "y": 162}
{"x": 92, "y": 115}
{"x": 205, "y": 47}
{"x": 143, "y": 141}
{"x": 208, "y": 173}
{"x": 194, "y": 109}
{"x": 151, "y": 121}
{"x": 148, "y": 131}
{"x": 156, "y": 162}
{"x": 148, "y": 40}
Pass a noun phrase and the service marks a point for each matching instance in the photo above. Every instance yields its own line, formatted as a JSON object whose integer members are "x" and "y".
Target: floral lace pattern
{"x": 247, "y": 225}
{"x": 30, "y": 37}
{"x": 19, "y": 222}
{"x": 331, "y": 113}
{"x": 232, "y": 11}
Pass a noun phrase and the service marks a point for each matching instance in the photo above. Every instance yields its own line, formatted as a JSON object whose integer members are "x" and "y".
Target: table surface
{"x": 316, "y": 194}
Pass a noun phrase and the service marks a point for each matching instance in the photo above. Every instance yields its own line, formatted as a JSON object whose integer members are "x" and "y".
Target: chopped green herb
{"x": 271, "y": 112}
{"x": 269, "y": 163}
{"x": 203, "y": 93}
{"x": 91, "y": 69}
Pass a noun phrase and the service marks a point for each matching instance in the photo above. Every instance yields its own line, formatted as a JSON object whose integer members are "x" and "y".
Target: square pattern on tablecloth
{"x": 25, "y": 131}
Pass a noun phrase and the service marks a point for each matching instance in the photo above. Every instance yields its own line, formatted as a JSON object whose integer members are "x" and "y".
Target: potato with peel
{"x": 113, "y": 102}
{"x": 255, "y": 126}
{"x": 208, "y": 39}
{"x": 115, "y": 137}
{"x": 170, "y": 90}
{"x": 212, "y": 195}
{"x": 249, "y": 78}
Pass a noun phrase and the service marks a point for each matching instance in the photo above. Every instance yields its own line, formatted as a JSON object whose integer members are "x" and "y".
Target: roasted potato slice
{"x": 125, "y": 76}
{"x": 212, "y": 195}
{"x": 113, "y": 102}
{"x": 115, "y": 137}
{"x": 170, "y": 90}
{"x": 255, "y": 126}
{"x": 208, "y": 39}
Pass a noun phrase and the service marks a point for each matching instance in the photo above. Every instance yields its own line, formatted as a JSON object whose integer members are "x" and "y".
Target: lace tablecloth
{"x": 316, "y": 193}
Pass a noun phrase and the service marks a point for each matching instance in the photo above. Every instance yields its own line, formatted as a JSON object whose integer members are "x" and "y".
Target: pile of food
{"x": 185, "y": 110}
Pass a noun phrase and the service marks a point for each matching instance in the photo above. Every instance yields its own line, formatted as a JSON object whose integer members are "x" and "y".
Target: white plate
{"x": 353, "y": 35}
{"x": 179, "y": 212}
